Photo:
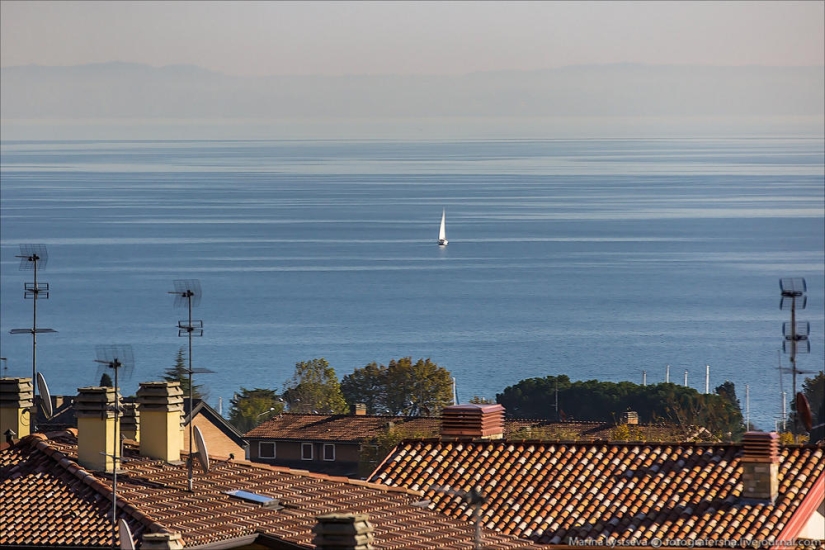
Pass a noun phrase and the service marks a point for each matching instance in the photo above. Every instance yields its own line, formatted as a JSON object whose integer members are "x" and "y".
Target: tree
{"x": 479, "y": 400}
{"x": 403, "y": 387}
{"x": 420, "y": 389}
{"x": 106, "y": 380}
{"x": 250, "y": 407}
{"x": 179, "y": 372}
{"x": 367, "y": 385}
{"x": 605, "y": 401}
{"x": 314, "y": 388}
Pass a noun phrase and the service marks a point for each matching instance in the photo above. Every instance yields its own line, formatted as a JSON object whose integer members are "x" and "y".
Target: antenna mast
{"x": 796, "y": 332}
{"x": 116, "y": 357}
{"x": 188, "y": 292}
{"x": 31, "y": 257}
{"x": 475, "y": 498}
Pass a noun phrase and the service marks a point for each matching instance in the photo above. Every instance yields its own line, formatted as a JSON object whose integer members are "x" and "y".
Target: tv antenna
{"x": 188, "y": 293}
{"x": 475, "y": 498}
{"x": 116, "y": 357}
{"x": 32, "y": 257}
{"x": 796, "y": 332}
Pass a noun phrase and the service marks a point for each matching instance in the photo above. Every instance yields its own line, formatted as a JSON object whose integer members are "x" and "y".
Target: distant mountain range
{"x": 130, "y": 90}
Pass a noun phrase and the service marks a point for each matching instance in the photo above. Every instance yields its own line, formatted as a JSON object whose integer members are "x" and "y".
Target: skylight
{"x": 255, "y": 498}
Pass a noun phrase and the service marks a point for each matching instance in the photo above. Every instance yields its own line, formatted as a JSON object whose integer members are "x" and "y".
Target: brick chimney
{"x": 760, "y": 465}
{"x": 16, "y": 403}
{"x": 343, "y": 532}
{"x": 630, "y": 418}
{"x": 358, "y": 409}
{"x": 161, "y": 414}
{"x": 96, "y": 433}
{"x": 472, "y": 422}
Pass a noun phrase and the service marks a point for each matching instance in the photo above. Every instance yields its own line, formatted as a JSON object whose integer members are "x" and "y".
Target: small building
{"x": 346, "y": 445}
{"x": 222, "y": 438}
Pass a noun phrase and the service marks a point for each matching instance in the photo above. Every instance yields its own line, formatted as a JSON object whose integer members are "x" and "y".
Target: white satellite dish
{"x": 45, "y": 396}
{"x": 126, "y": 540}
{"x": 202, "y": 453}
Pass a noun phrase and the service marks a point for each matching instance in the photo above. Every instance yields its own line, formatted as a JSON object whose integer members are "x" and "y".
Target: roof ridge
{"x": 329, "y": 477}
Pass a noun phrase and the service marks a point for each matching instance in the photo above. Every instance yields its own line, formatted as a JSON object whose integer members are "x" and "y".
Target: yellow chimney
{"x": 161, "y": 412}
{"x": 130, "y": 421}
{"x": 16, "y": 405}
{"x": 97, "y": 435}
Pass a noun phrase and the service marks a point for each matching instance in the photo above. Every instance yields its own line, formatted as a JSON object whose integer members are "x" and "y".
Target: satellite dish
{"x": 804, "y": 411}
{"x": 202, "y": 453}
{"x": 45, "y": 396}
{"x": 126, "y": 540}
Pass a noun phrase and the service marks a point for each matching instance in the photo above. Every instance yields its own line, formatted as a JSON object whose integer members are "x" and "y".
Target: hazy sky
{"x": 427, "y": 37}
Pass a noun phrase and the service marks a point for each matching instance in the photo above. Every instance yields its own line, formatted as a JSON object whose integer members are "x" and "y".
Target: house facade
{"x": 347, "y": 445}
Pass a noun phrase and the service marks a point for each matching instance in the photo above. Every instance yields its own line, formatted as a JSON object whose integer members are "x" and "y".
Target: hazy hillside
{"x": 125, "y": 90}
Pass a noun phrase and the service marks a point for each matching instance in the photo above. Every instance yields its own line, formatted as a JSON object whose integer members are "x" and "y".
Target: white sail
{"x": 442, "y": 231}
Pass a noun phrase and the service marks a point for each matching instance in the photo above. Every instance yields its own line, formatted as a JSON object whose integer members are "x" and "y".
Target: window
{"x": 266, "y": 449}
{"x": 329, "y": 451}
{"x": 306, "y": 451}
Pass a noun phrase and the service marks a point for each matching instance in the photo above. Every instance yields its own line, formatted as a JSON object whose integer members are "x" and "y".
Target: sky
{"x": 410, "y": 38}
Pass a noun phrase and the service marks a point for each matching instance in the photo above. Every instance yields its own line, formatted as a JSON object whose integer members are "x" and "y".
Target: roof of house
{"x": 203, "y": 408}
{"x": 49, "y": 499}
{"x": 341, "y": 427}
{"x": 551, "y": 491}
{"x": 355, "y": 428}
{"x": 516, "y": 428}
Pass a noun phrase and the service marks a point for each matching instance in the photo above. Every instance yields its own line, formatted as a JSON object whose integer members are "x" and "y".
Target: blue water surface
{"x": 595, "y": 258}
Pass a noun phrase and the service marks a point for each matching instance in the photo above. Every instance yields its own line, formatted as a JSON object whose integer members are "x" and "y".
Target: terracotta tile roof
{"x": 344, "y": 428}
{"x": 353, "y": 428}
{"x": 545, "y": 430}
{"x": 549, "y": 492}
{"x": 48, "y": 499}
{"x": 71, "y": 507}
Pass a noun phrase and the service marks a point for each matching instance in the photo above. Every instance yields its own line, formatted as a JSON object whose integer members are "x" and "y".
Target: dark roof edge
{"x": 806, "y": 508}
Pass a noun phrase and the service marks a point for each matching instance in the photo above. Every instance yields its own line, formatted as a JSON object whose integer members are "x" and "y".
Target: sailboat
{"x": 442, "y": 231}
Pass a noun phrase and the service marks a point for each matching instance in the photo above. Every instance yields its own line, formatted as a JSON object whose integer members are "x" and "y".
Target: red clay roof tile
{"x": 152, "y": 496}
{"x": 592, "y": 490}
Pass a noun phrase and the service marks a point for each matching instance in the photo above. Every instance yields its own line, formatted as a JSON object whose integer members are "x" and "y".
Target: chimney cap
{"x": 485, "y": 408}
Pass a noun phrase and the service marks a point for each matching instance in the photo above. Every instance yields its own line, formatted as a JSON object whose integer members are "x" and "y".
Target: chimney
{"x": 130, "y": 421}
{"x": 630, "y": 417}
{"x": 96, "y": 434}
{"x": 343, "y": 532}
{"x": 16, "y": 403}
{"x": 161, "y": 541}
{"x": 358, "y": 409}
{"x": 472, "y": 422}
{"x": 760, "y": 465}
{"x": 161, "y": 412}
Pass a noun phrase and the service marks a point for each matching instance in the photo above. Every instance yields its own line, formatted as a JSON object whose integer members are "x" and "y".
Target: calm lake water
{"x": 595, "y": 258}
